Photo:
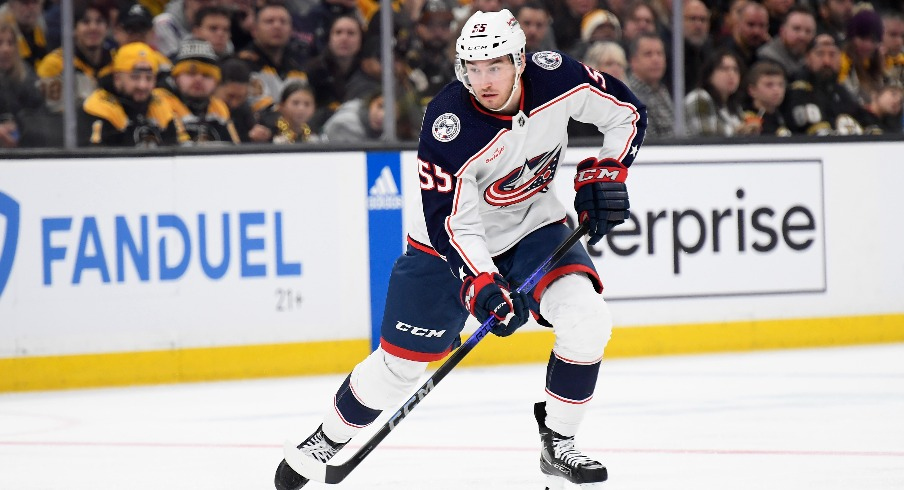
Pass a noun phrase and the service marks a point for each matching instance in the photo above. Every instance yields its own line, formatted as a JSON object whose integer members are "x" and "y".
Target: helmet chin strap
{"x": 514, "y": 89}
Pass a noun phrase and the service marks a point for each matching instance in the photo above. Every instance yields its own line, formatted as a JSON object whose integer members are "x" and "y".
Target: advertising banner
{"x": 109, "y": 255}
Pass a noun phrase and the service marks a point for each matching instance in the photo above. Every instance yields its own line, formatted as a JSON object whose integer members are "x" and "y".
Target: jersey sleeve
{"x": 449, "y": 191}
{"x": 607, "y": 103}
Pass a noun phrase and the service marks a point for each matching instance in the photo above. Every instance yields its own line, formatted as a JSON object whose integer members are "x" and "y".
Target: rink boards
{"x": 164, "y": 268}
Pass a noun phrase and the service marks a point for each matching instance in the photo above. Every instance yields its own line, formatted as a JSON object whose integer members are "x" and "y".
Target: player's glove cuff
{"x": 601, "y": 196}
{"x": 488, "y": 294}
{"x": 591, "y": 170}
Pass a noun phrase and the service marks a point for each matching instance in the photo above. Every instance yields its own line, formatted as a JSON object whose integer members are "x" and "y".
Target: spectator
{"x": 597, "y": 26}
{"x": 127, "y": 113}
{"x": 766, "y": 88}
{"x": 789, "y": 48}
{"x": 697, "y": 43}
{"x": 26, "y": 16}
{"x": 273, "y": 56}
{"x": 646, "y": 57}
{"x": 536, "y": 22}
{"x": 234, "y": 88}
{"x": 18, "y": 86}
{"x": 198, "y": 115}
{"x": 728, "y": 20}
{"x": 619, "y": 8}
{"x": 600, "y": 25}
{"x": 608, "y": 57}
{"x": 640, "y": 20}
{"x": 213, "y": 24}
{"x": 289, "y": 123}
{"x": 403, "y": 24}
{"x": 242, "y": 22}
{"x": 174, "y": 25}
{"x": 568, "y": 16}
{"x": 817, "y": 104}
{"x": 750, "y": 32}
{"x": 883, "y": 112}
{"x": 893, "y": 46}
{"x": 778, "y": 10}
{"x": 357, "y": 120}
{"x": 92, "y": 60}
{"x": 428, "y": 58}
{"x": 834, "y": 16}
{"x": 714, "y": 108}
{"x": 862, "y": 70}
{"x": 134, "y": 24}
{"x": 331, "y": 73}
{"x": 313, "y": 28}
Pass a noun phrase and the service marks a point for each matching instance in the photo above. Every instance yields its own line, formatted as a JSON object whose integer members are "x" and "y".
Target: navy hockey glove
{"x": 601, "y": 197}
{"x": 488, "y": 294}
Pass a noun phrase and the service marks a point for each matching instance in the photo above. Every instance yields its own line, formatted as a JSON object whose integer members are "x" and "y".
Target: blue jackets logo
{"x": 9, "y": 211}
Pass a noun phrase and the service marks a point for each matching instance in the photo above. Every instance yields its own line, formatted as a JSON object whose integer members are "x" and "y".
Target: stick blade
{"x": 305, "y": 466}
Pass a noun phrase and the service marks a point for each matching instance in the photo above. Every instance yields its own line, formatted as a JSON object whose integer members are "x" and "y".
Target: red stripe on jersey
{"x": 619, "y": 103}
{"x": 410, "y": 354}
{"x": 423, "y": 248}
{"x": 605, "y": 96}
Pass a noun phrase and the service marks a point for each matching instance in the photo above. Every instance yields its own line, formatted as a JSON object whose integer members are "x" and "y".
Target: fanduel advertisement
{"x": 149, "y": 252}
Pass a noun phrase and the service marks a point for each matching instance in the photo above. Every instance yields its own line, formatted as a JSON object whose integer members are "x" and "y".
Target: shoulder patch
{"x": 446, "y": 127}
{"x": 548, "y": 60}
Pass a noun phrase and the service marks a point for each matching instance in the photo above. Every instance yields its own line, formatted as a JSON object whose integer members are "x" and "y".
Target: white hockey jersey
{"x": 485, "y": 178}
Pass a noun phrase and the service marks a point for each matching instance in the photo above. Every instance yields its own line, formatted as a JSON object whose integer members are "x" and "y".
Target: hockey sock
{"x": 569, "y": 386}
{"x": 350, "y": 414}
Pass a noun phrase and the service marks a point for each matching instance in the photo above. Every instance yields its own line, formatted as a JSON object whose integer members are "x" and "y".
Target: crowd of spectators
{"x": 191, "y": 72}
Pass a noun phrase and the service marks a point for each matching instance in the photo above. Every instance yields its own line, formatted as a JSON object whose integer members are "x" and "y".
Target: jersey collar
{"x": 500, "y": 120}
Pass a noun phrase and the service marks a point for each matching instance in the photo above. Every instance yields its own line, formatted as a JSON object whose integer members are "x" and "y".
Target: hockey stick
{"x": 315, "y": 470}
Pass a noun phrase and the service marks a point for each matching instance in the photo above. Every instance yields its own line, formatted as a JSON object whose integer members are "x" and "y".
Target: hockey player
{"x": 490, "y": 146}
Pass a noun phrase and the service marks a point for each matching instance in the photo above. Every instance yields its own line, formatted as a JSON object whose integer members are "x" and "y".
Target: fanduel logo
{"x": 9, "y": 210}
{"x": 384, "y": 194}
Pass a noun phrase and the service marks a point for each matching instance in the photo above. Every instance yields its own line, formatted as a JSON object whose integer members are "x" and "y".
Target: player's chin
{"x": 490, "y": 101}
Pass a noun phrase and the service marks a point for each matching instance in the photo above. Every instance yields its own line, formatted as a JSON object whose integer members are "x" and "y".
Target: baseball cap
{"x": 136, "y": 18}
{"x": 435, "y": 10}
{"x": 129, "y": 56}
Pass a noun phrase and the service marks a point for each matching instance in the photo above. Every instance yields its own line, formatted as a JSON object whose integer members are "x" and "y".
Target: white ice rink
{"x": 821, "y": 419}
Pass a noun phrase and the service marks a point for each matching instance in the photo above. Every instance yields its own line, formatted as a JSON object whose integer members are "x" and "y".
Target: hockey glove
{"x": 601, "y": 197}
{"x": 488, "y": 294}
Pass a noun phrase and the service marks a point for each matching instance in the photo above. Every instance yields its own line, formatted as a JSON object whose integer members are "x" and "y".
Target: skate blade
{"x": 558, "y": 483}
{"x": 554, "y": 482}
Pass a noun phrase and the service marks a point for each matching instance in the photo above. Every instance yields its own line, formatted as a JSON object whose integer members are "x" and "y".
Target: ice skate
{"x": 561, "y": 462}
{"x": 317, "y": 446}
